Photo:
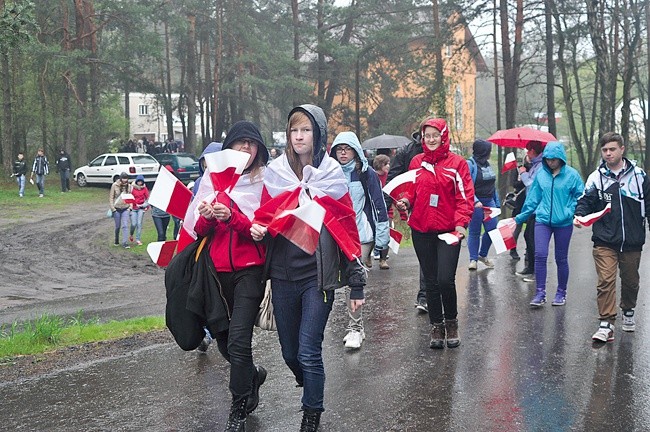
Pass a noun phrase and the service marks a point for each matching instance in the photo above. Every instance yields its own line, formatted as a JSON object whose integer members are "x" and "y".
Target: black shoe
{"x": 525, "y": 272}
{"x": 258, "y": 379}
{"x": 422, "y": 306}
{"x": 237, "y": 418}
{"x": 514, "y": 255}
{"x": 310, "y": 421}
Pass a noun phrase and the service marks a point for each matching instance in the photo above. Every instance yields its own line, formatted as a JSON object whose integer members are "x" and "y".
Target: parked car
{"x": 106, "y": 168}
{"x": 185, "y": 165}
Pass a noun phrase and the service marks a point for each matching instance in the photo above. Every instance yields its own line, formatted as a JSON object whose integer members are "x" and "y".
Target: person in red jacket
{"x": 442, "y": 201}
{"x": 141, "y": 194}
{"x": 239, "y": 262}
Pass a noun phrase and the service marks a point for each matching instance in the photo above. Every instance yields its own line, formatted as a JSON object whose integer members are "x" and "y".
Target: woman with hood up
{"x": 371, "y": 216}
{"x": 239, "y": 265}
{"x": 442, "y": 201}
{"x": 553, "y": 197}
{"x": 303, "y": 284}
{"x": 485, "y": 195}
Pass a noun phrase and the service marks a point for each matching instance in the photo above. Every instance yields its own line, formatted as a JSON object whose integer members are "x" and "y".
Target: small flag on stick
{"x": 509, "y": 163}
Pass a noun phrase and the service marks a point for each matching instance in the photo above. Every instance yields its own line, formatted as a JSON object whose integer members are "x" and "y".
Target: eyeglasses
{"x": 245, "y": 141}
{"x": 431, "y": 137}
{"x": 343, "y": 149}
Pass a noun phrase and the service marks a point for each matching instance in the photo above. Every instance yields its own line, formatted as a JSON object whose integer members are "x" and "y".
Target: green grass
{"x": 50, "y": 332}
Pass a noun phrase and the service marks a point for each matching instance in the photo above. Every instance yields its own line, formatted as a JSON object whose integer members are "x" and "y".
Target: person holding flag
{"x": 239, "y": 264}
{"x": 485, "y": 196}
{"x": 619, "y": 235}
{"x": 120, "y": 209}
{"x": 552, "y": 197}
{"x": 305, "y": 258}
{"x": 441, "y": 204}
{"x": 371, "y": 216}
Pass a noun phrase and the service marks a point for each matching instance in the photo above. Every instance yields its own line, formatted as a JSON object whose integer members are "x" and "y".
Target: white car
{"x": 106, "y": 168}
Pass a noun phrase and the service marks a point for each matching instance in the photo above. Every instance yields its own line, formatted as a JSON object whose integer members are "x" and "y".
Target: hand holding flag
{"x": 401, "y": 185}
{"x": 490, "y": 213}
{"x": 451, "y": 238}
{"x": 590, "y": 219}
{"x": 226, "y": 167}
{"x": 502, "y": 237}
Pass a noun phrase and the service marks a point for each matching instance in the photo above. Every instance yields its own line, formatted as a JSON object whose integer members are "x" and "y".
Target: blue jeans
{"x": 161, "y": 224}
{"x": 301, "y": 311}
{"x": 121, "y": 218}
{"x": 65, "y": 180}
{"x": 136, "y": 223}
{"x": 40, "y": 182}
{"x": 474, "y": 238}
{"x": 21, "y": 184}
{"x": 562, "y": 238}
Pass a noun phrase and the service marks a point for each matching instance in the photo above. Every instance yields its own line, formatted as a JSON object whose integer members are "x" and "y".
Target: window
{"x": 110, "y": 160}
{"x": 458, "y": 109}
{"x": 143, "y": 109}
{"x": 124, "y": 160}
{"x": 448, "y": 51}
{"x": 97, "y": 161}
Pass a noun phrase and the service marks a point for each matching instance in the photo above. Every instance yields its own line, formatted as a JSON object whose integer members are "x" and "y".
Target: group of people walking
{"x": 40, "y": 169}
{"x": 127, "y": 214}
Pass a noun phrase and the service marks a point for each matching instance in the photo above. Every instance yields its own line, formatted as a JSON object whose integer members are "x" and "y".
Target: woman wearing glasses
{"x": 442, "y": 201}
{"x": 371, "y": 216}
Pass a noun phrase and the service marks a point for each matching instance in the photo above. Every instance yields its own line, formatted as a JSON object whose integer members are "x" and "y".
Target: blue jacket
{"x": 368, "y": 200}
{"x": 553, "y": 198}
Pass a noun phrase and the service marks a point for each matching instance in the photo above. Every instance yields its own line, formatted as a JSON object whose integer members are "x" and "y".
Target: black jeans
{"x": 529, "y": 237}
{"x": 438, "y": 262}
{"x": 243, "y": 292}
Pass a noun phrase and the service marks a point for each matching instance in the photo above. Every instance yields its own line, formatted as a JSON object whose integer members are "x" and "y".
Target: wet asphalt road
{"x": 517, "y": 369}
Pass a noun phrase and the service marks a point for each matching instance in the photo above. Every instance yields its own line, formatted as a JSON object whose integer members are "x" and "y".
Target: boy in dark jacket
{"x": 20, "y": 171}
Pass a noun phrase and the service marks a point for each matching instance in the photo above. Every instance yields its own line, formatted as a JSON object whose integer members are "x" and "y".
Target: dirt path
{"x": 62, "y": 261}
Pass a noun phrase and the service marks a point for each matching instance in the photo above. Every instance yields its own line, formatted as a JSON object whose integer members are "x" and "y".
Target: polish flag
{"x": 395, "y": 240}
{"x": 226, "y": 166}
{"x": 300, "y": 226}
{"x": 162, "y": 252}
{"x": 451, "y": 238}
{"x": 590, "y": 219}
{"x": 170, "y": 194}
{"x": 490, "y": 213}
{"x": 128, "y": 198}
{"x": 401, "y": 184}
{"x": 502, "y": 238}
{"x": 509, "y": 163}
{"x": 340, "y": 221}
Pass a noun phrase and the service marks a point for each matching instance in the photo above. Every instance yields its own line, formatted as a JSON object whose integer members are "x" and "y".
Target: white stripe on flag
{"x": 220, "y": 161}
{"x": 161, "y": 193}
{"x": 311, "y": 214}
{"x": 408, "y": 176}
{"x": 497, "y": 241}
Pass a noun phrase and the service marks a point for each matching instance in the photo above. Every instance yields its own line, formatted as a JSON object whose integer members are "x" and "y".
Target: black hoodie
{"x": 244, "y": 129}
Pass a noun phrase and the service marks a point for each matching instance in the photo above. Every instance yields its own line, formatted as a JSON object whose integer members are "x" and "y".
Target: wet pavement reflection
{"x": 517, "y": 369}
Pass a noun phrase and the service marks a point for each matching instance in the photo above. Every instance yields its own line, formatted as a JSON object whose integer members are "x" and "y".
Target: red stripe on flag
{"x": 161, "y": 253}
{"x": 180, "y": 200}
{"x": 300, "y": 226}
{"x": 340, "y": 221}
{"x": 184, "y": 239}
{"x": 509, "y": 163}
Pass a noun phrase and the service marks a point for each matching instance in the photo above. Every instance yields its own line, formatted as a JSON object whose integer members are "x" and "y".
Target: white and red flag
{"x": 490, "y": 213}
{"x": 590, "y": 219}
{"x": 451, "y": 238}
{"x": 340, "y": 221}
{"x": 503, "y": 238}
{"x": 301, "y": 226}
{"x": 162, "y": 252}
{"x": 170, "y": 194}
{"x": 226, "y": 166}
{"x": 509, "y": 163}
{"x": 401, "y": 185}
{"x": 128, "y": 198}
{"x": 395, "y": 240}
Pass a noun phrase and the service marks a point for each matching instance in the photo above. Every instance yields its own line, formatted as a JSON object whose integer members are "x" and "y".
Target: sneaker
{"x": 383, "y": 264}
{"x": 375, "y": 255}
{"x": 605, "y": 332}
{"x": 131, "y": 238}
{"x": 514, "y": 255}
{"x": 525, "y": 272}
{"x": 628, "y": 320}
{"x": 559, "y": 300}
{"x": 205, "y": 343}
{"x": 126, "y": 246}
{"x": 530, "y": 278}
{"x": 310, "y": 421}
{"x": 538, "y": 300}
{"x": 438, "y": 335}
{"x": 259, "y": 376}
{"x": 422, "y": 306}
{"x": 40, "y": 195}
{"x": 138, "y": 242}
{"x": 116, "y": 244}
{"x": 485, "y": 260}
{"x": 473, "y": 264}
{"x": 354, "y": 339}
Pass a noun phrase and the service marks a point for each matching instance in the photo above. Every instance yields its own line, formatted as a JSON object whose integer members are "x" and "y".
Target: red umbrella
{"x": 520, "y": 136}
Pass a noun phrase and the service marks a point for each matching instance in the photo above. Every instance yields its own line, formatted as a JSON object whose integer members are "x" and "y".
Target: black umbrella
{"x": 385, "y": 141}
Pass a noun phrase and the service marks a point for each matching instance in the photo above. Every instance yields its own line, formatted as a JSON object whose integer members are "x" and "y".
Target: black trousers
{"x": 438, "y": 262}
{"x": 529, "y": 237}
{"x": 243, "y": 292}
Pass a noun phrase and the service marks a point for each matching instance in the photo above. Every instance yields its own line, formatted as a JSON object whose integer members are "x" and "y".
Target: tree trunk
{"x": 216, "y": 76}
{"x": 7, "y": 125}
{"x": 645, "y": 114}
{"x": 550, "y": 73}
{"x": 440, "y": 89}
{"x": 296, "y": 48}
{"x": 167, "y": 85}
{"x": 191, "y": 85}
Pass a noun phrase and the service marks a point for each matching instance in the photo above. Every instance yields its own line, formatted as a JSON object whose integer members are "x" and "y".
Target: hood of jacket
{"x": 244, "y": 129}
{"x": 350, "y": 138}
{"x": 554, "y": 150}
{"x": 213, "y": 147}
{"x": 481, "y": 150}
{"x": 139, "y": 178}
{"x": 433, "y": 156}
{"x": 319, "y": 123}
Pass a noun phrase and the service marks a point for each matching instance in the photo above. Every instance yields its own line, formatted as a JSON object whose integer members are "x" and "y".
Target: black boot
{"x": 310, "y": 421}
{"x": 237, "y": 418}
{"x": 259, "y": 376}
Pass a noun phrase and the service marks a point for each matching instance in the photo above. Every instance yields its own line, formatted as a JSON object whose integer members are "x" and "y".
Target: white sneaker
{"x": 605, "y": 332}
{"x": 628, "y": 321}
{"x": 486, "y": 261}
{"x": 354, "y": 339}
{"x": 472, "y": 265}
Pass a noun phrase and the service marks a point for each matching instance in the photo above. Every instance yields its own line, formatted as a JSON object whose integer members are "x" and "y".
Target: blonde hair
{"x": 296, "y": 165}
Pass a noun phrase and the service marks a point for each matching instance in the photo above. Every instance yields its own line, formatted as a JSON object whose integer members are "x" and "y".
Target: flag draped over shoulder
{"x": 325, "y": 186}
